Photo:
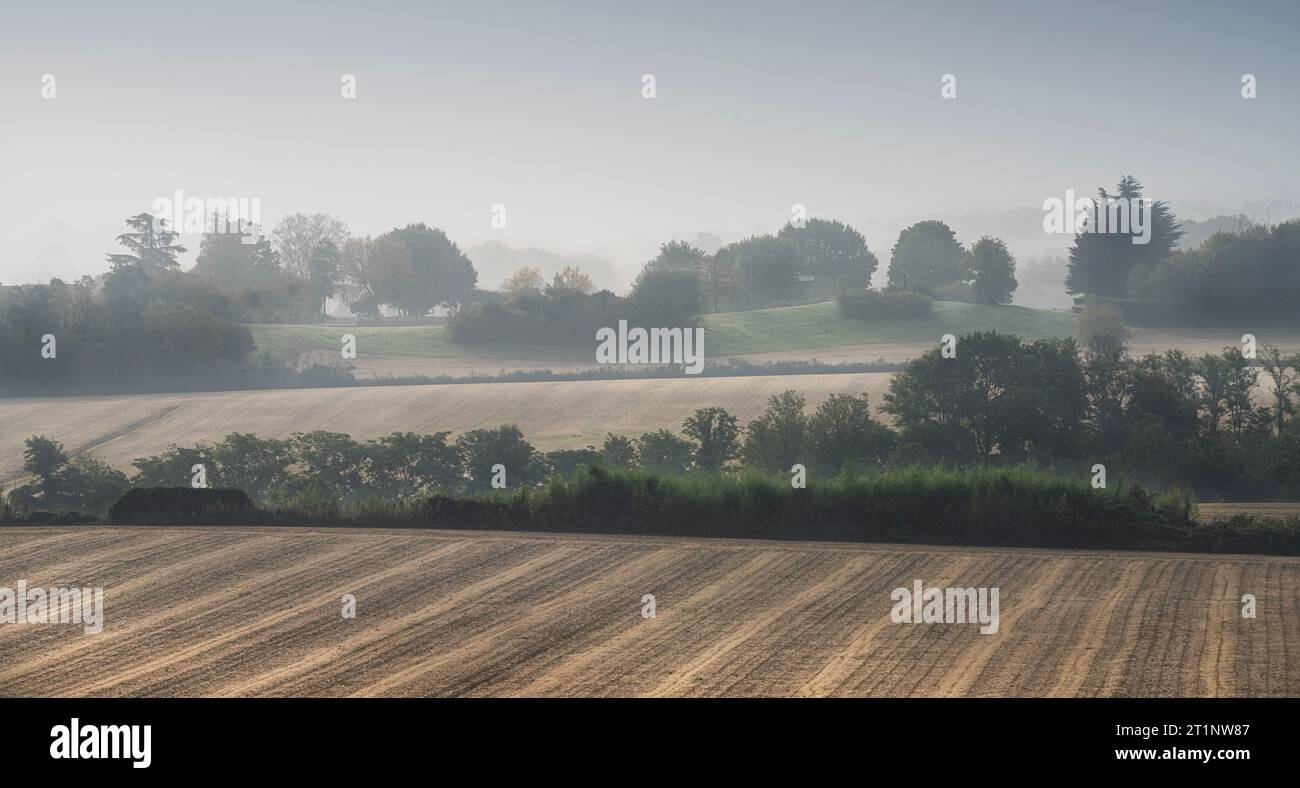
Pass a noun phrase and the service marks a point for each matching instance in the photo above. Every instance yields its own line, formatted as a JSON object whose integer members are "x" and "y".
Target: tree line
{"x": 1242, "y": 270}
{"x": 1221, "y": 424}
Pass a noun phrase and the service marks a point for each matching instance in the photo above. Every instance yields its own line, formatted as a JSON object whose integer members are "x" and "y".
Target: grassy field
{"x": 235, "y": 611}
{"x": 816, "y": 326}
{"x": 780, "y": 334}
{"x": 765, "y": 334}
{"x": 553, "y": 415}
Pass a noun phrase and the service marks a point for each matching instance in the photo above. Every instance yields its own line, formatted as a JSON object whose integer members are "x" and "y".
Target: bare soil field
{"x": 257, "y": 612}
{"x": 553, "y": 415}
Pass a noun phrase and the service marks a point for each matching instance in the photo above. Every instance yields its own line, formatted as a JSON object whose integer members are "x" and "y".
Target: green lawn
{"x": 805, "y": 327}
{"x": 819, "y": 325}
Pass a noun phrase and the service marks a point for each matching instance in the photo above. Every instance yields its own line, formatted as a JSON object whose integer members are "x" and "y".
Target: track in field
{"x": 257, "y": 611}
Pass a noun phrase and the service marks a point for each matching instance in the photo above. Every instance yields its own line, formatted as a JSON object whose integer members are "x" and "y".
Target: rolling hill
{"x": 796, "y": 332}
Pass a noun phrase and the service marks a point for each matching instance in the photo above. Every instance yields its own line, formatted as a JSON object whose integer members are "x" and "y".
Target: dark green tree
{"x": 151, "y": 248}
{"x": 717, "y": 432}
{"x": 992, "y": 270}
{"x": 481, "y": 449}
{"x": 663, "y": 452}
{"x": 842, "y": 432}
{"x": 833, "y": 252}
{"x": 926, "y": 256}
{"x": 1103, "y": 257}
{"x": 776, "y": 440}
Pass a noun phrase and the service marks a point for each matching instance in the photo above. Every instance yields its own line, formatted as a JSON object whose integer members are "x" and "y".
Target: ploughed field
{"x": 258, "y": 611}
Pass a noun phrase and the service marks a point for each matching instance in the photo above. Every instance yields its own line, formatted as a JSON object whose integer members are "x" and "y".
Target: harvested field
{"x": 553, "y": 415}
{"x": 1209, "y": 511}
{"x": 257, "y": 612}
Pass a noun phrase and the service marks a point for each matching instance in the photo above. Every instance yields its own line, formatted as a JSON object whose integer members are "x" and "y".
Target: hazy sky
{"x": 538, "y": 106}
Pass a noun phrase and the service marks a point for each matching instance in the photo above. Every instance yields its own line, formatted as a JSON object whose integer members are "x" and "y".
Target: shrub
{"x": 876, "y": 304}
{"x": 1020, "y": 506}
{"x": 182, "y": 506}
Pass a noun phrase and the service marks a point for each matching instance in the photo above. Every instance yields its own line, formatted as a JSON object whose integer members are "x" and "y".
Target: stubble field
{"x": 553, "y": 415}
{"x": 257, "y": 611}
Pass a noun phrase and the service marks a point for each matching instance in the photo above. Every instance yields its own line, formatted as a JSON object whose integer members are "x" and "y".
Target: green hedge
{"x": 999, "y": 507}
{"x": 183, "y": 506}
{"x": 877, "y": 304}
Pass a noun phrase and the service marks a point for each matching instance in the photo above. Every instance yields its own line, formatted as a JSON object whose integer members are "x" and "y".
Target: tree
{"x": 618, "y": 451}
{"x": 720, "y": 277}
{"x": 1101, "y": 327}
{"x": 570, "y": 280}
{"x": 842, "y": 431}
{"x": 329, "y": 461}
{"x": 664, "y": 452}
{"x": 677, "y": 256}
{"x": 775, "y": 440}
{"x": 405, "y": 465}
{"x": 767, "y": 266}
{"x": 226, "y": 260}
{"x": 1216, "y": 373}
{"x": 999, "y": 395}
{"x": 925, "y": 257}
{"x": 1283, "y": 372}
{"x": 377, "y": 270}
{"x": 299, "y": 235}
{"x": 834, "y": 252}
{"x": 664, "y": 298}
{"x": 1103, "y": 256}
{"x": 482, "y": 449}
{"x": 84, "y": 484}
{"x": 565, "y": 462}
{"x": 323, "y": 271}
{"x": 717, "y": 433}
{"x": 259, "y": 467}
{"x": 1106, "y": 375}
{"x": 437, "y": 273}
{"x": 43, "y": 456}
{"x": 88, "y": 484}
{"x": 524, "y": 280}
{"x": 152, "y": 248}
{"x": 1160, "y": 411}
{"x": 993, "y": 270}
{"x": 173, "y": 468}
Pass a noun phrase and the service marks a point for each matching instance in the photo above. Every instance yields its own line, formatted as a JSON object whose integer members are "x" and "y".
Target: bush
{"x": 556, "y": 317}
{"x": 1022, "y": 507}
{"x": 182, "y": 506}
{"x": 877, "y": 304}
{"x": 956, "y": 291}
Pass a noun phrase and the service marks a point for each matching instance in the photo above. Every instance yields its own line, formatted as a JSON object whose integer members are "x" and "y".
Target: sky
{"x": 539, "y": 107}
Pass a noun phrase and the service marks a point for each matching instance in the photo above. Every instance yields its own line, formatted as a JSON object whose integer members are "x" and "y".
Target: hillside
{"x": 815, "y": 326}
{"x": 553, "y": 415}
{"x": 797, "y": 332}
